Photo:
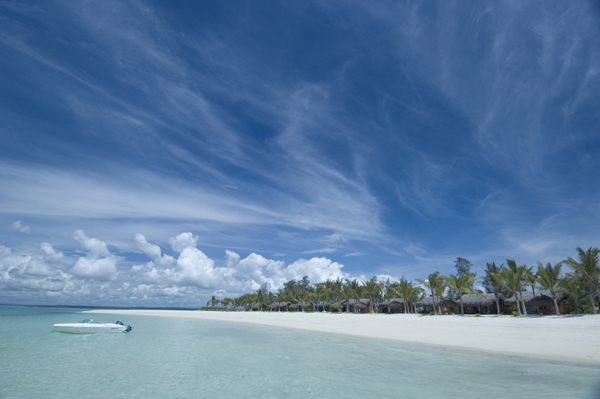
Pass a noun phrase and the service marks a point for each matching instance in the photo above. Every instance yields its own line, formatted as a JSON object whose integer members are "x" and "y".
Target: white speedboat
{"x": 89, "y": 326}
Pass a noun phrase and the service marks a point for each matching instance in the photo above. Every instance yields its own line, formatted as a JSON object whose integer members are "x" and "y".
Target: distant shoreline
{"x": 561, "y": 338}
{"x": 93, "y": 307}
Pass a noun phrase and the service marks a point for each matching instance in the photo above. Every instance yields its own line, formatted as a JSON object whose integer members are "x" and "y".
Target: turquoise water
{"x": 180, "y": 358}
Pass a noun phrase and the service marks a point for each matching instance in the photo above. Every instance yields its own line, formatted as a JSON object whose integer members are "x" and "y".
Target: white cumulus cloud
{"x": 98, "y": 264}
{"x": 193, "y": 267}
{"x": 317, "y": 270}
{"x": 153, "y": 251}
{"x": 50, "y": 253}
{"x": 18, "y": 226}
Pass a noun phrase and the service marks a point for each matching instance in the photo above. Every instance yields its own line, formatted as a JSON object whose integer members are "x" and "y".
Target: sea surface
{"x": 186, "y": 358}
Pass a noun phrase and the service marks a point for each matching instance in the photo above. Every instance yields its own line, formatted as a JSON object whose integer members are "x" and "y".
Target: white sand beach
{"x": 563, "y": 338}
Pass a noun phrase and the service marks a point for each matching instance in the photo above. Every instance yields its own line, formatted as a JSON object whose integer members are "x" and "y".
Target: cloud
{"x": 256, "y": 270}
{"x": 153, "y": 251}
{"x": 317, "y": 269}
{"x": 17, "y": 226}
{"x": 98, "y": 264}
{"x": 100, "y": 269}
{"x": 50, "y": 253}
{"x": 27, "y": 275}
{"x": 327, "y": 250}
{"x": 355, "y": 254}
{"x": 183, "y": 241}
{"x": 335, "y": 237}
{"x": 193, "y": 267}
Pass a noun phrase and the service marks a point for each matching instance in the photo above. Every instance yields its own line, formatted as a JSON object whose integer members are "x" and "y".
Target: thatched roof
{"x": 277, "y": 305}
{"x": 541, "y": 298}
{"x": 359, "y": 302}
{"x": 479, "y": 299}
{"x": 392, "y": 302}
{"x": 447, "y": 302}
{"x": 427, "y": 301}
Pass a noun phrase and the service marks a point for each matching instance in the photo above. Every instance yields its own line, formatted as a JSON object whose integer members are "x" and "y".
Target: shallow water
{"x": 170, "y": 357}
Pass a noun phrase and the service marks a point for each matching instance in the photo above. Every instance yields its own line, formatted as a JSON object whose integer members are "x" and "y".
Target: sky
{"x": 157, "y": 153}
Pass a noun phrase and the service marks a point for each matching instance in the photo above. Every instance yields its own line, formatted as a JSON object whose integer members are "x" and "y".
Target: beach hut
{"x": 356, "y": 305}
{"x": 446, "y": 304}
{"x": 542, "y": 302}
{"x": 425, "y": 305}
{"x": 253, "y": 308}
{"x": 393, "y": 305}
{"x": 279, "y": 306}
{"x": 483, "y": 304}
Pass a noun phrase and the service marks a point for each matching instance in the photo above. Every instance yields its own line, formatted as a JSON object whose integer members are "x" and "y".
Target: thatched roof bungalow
{"x": 356, "y": 305}
{"x": 447, "y": 305}
{"x": 483, "y": 304}
{"x": 279, "y": 306}
{"x": 542, "y": 302}
{"x": 393, "y": 305}
{"x": 472, "y": 303}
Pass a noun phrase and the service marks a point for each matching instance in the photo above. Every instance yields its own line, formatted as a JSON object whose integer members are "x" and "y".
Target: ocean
{"x": 189, "y": 358}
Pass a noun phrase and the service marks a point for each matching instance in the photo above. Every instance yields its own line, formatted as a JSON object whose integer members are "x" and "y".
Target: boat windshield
{"x": 90, "y": 321}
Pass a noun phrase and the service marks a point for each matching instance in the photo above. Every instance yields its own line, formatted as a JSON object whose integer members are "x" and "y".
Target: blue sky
{"x": 155, "y": 153}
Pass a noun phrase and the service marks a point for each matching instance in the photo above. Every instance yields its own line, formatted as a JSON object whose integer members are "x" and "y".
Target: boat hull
{"x": 80, "y": 328}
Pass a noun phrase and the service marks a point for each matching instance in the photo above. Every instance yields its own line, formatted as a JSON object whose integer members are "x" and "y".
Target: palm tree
{"x": 347, "y": 294}
{"x": 333, "y": 290}
{"x": 549, "y": 279}
{"x": 357, "y": 290}
{"x": 570, "y": 283}
{"x": 262, "y": 296}
{"x": 462, "y": 284}
{"x": 313, "y": 298}
{"x": 531, "y": 279}
{"x": 416, "y": 294}
{"x": 588, "y": 268}
{"x": 301, "y": 296}
{"x": 320, "y": 293}
{"x": 371, "y": 288}
{"x": 405, "y": 290}
{"x": 492, "y": 270}
{"x": 437, "y": 285}
{"x": 513, "y": 277}
{"x": 226, "y": 302}
{"x": 250, "y": 299}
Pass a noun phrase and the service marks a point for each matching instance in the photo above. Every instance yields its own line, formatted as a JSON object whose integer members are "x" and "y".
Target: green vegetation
{"x": 581, "y": 284}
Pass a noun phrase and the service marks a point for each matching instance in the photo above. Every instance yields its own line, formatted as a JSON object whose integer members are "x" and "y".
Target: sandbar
{"x": 562, "y": 338}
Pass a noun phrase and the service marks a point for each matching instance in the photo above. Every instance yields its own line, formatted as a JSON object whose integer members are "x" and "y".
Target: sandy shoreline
{"x": 563, "y": 338}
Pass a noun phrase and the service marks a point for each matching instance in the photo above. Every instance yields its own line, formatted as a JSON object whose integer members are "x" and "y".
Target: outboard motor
{"x": 121, "y": 324}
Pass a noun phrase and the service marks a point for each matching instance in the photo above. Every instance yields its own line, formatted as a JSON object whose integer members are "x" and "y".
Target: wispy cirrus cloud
{"x": 413, "y": 132}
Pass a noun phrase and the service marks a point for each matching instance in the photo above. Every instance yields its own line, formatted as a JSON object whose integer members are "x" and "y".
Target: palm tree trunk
{"x": 593, "y": 303}
{"x": 524, "y": 307}
{"x": 462, "y": 308}
{"x": 555, "y": 304}
{"x": 497, "y": 305}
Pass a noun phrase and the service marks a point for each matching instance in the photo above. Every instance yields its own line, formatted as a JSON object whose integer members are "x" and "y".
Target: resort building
{"x": 542, "y": 302}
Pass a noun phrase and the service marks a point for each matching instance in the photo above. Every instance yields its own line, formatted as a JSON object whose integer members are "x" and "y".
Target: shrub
{"x": 477, "y": 315}
{"x": 515, "y": 313}
{"x": 432, "y": 313}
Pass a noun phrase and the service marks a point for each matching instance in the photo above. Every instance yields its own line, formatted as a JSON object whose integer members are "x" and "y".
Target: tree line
{"x": 581, "y": 282}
